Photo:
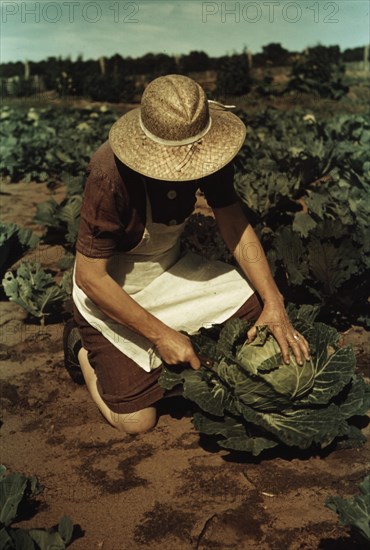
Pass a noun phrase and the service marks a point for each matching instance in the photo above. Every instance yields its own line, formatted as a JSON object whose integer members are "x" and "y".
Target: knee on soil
{"x": 136, "y": 422}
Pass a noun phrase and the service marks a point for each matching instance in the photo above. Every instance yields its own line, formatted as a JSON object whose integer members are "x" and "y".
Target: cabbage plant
{"x": 251, "y": 400}
{"x": 16, "y": 492}
{"x": 355, "y": 511}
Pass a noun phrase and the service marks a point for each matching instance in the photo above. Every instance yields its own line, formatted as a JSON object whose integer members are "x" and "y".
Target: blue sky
{"x": 36, "y": 30}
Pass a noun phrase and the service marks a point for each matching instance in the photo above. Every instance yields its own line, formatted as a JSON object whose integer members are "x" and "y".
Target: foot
{"x": 72, "y": 344}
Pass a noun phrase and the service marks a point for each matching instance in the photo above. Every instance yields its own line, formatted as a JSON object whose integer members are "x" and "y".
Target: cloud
{"x": 177, "y": 27}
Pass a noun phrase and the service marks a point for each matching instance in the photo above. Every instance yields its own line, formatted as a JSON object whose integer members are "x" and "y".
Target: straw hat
{"x": 176, "y": 134}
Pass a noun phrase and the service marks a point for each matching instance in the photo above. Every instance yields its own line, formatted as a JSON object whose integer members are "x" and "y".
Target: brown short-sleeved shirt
{"x": 113, "y": 213}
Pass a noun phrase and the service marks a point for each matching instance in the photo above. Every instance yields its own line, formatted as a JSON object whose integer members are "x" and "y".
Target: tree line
{"x": 119, "y": 78}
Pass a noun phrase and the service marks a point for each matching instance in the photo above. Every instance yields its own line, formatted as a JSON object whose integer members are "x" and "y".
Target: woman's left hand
{"x": 275, "y": 316}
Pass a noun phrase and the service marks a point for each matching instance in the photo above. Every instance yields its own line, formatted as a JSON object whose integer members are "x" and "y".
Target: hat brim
{"x": 178, "y": 163}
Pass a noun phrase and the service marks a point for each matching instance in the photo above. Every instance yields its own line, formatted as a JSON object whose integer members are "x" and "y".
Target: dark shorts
{"x": 123, "y": 385}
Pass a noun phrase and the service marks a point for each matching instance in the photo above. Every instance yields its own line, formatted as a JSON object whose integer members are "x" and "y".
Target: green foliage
{"x": 152, "y": 65}
{"x": 42, "y": 144}
{"x": 64, "y": 84}
{"x": 233, "y": 77}
{"x": 14, "y": 243}
{"x": 15, "y": 490}
{"x": 313, "y": 228}
{"x": 201, "y": 237}
{"x": 320, "y": 72}
{"x": 255, "y": 401}
{"x": 355, "y": 511}
{"x": 35, "y": 290}
{"x": 66, "y": 262}
{"x": 22, "y": 87}
{"x": 74, "y": 184}
{"x": 62, "y": 219}
{"x": 113, "y": 88}
{"x": 194, "y": 61}
{"x": 275, "y": 54}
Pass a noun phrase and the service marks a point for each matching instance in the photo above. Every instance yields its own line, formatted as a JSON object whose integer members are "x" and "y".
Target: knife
{"x": 206, "y": 361}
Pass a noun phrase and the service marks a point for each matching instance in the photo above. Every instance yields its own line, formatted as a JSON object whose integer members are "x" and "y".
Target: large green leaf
{"x": 65, "y": 529}
{"x": 6, "y": 541}
{"x": 331, "y": 376}
{"x": 306, "y": 314}
{"x": 230, "y": 334}
{"x": 235, "y": 434}
{"x": 209, "y": 397}
{"x": 208, "y": 391}
{"x": 63, "y": 217}
{"x": 22, "y": 540}
{"x": 333, "y": 367}
{"x": 316, "y": 203}
{"x": 12, "y": 491}
{"x": 355, "y": 511}
{"x": 204, "y": 387}
{"x": 47, "y": 213}
{"x": 331, "y": 265}
{"x": 169, "y": 377}
{"x": 357, "y": 401}
{"x": 70, "y": 215}
{"x": 47, "y": 540}
{"x": 14, "y": 243}
{"x": 300, "y": 427}
{"x": 303, "y": 223}
{"x": 290, "y": 250}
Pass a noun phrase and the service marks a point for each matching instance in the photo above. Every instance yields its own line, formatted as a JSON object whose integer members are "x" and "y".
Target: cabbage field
{"x": 270, "y": 444}
{"x": 305, "y": 185}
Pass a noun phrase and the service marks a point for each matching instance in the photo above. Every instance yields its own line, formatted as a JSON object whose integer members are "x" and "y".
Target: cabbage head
{"x": 251, "y": 400}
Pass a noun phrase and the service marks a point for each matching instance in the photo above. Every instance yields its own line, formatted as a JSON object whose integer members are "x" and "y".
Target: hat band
{"x": 187, "y": 141}
{"x": 173, "y": 143}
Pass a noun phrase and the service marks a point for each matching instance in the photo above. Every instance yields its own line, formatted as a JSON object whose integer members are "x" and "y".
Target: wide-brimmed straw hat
{"x": 177, "y": 134}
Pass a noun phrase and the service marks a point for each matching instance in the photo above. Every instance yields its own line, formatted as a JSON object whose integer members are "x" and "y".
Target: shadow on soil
{"x": 342, "y": 543}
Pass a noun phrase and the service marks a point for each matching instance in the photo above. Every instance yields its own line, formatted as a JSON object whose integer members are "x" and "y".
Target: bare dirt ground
{"x": 168, "y": 489}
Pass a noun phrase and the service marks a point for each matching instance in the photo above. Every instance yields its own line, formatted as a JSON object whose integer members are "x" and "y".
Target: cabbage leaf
{"x": 355, "y": 511}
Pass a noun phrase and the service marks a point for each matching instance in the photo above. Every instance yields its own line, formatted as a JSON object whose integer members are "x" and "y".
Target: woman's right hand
{"x": 176, "y": 348}
{"x": 93, "y": 278}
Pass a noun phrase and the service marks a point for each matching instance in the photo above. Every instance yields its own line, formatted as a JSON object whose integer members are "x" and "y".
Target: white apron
{"x": 184, "y": 292}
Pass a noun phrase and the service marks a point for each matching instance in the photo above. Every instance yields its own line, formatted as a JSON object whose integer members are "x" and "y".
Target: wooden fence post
{"x": 366, "y": 59}
{"x": 102, "y": 65}
{"x": 26, "y": 70}
{"x": 250, "y": 58}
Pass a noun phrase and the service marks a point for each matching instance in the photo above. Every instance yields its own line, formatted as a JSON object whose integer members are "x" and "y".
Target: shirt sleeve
{"x": 218, "y": 188}
{"x": 103, "y": 214}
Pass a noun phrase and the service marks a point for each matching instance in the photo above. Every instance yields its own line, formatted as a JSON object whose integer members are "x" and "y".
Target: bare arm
{"x": 92, "y": 277}
{"x": 244, "y": 244}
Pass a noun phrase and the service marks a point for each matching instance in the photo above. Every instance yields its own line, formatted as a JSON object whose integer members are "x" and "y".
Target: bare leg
{"x": 132, "y": 423}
